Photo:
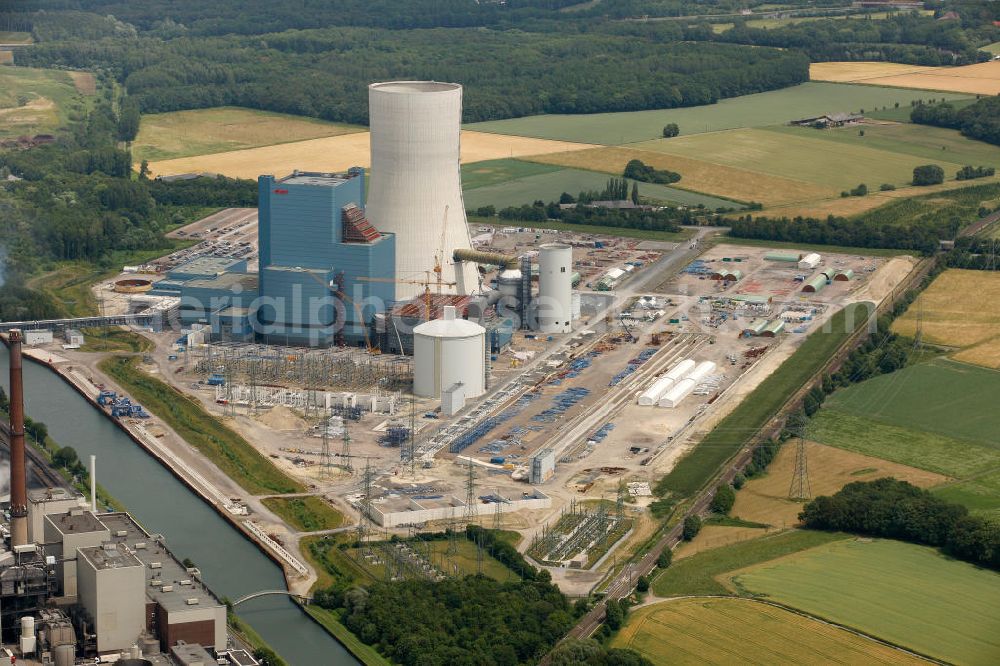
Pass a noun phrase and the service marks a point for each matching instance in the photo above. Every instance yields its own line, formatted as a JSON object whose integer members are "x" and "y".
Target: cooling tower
{"x": 416, "y": 186}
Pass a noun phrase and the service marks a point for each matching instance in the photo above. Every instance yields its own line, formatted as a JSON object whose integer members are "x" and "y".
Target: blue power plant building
{"x": 325, "y": 271}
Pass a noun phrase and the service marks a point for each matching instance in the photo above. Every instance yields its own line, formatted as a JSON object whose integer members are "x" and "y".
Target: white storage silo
{"x": 554, "y": 306}
{"x": 651, "y": 395}
{"x": 449, "y": 351}
{"x": 416, "y": 187}
{"x": 683, "y": 388}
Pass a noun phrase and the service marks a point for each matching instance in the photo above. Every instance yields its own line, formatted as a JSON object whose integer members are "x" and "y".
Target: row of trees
{"x": 980, "y": 120}
{"x": 899, "y": 510}
{"x": 971, "y": 173}
{"x": 667, "y": 219}
{"x": 638, "y": 170}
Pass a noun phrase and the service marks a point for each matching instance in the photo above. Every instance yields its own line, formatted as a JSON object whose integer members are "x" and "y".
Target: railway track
{"x": 41, "y": 467}
{"x": 623, "y": 584}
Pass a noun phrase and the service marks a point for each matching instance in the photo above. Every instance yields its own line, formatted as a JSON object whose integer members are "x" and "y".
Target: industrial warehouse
{"x": 419, "y": 374}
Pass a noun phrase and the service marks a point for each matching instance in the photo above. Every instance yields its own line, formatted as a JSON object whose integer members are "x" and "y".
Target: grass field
{"x": 34, "y": 101}
{"x": 696, "y": 468}
{"x": 800, "y": 155}
{"x": 993, "y": 48}
{"x": 952, "y": 309}
{"x": 220, "y": 444}
{"x": 309, "y": 514}
{"x": 204, "y": 131}
{"x": 979, "y": 79}
{"x": 642, "y": 234}
{"x": 699, "y": 574}
{"x": 498, "y": 172}
{"x": 8, "y": 37}
{"x": 336, "y": 153}
{"x": 941, "y": 396}
{"x": 909, "y": 595}
{"x": 769, "y": 108}
{"x": 725, "y": 631}
{"x": 551, "y": 181}
{"x": 698, "y": 174}
{"x": 928, "y": 144}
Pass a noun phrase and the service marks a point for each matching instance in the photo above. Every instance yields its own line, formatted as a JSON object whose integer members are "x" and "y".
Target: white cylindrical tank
{"x": 575, "y": 305}
{"x": 554, "y": 306}
{"x": 416, "y": 187}
{"x": 447, "y": 351}
{"x": 683, "y": 388}
{"x": 651, "y": 395}
{"x": 27, "y": 626}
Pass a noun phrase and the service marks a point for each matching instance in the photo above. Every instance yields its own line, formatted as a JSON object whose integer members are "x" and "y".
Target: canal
{"x": 230, "y": 564}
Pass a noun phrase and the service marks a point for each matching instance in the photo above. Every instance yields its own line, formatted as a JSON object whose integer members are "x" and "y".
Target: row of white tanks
{"x": 677, "y": 384}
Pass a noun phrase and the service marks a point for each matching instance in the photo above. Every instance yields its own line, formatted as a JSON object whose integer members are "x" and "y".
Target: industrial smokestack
{"x": 93, "y": 484}
{"x": 416, "y": 185}
{"x": 18, "y": 473}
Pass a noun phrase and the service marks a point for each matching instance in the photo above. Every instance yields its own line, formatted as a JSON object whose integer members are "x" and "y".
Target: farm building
{"x": 789, "y": 257}
{"x": 810, "y": 261}
{"x": 844, "y": 276}
{"x": 815, "y": 284}
{"x": 830, "y": 120}
{"x": 727, "y": 275}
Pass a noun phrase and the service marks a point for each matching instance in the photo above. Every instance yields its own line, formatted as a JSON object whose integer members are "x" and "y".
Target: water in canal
{"x": 231, "y": 565}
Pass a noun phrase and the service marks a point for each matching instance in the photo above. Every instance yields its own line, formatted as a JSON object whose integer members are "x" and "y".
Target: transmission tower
{"x": 470, "y": 496}
{"x": 324, "y": 455}
{"x": 345, "y": 448}
{"x": 498, "y": 512}
{"x": 602, "y": 521}
{"x": 366, "y": 505}
{"x": 799, "y": 488}
{"x": 620, "y": 503}
{"x": 411, "y": 439}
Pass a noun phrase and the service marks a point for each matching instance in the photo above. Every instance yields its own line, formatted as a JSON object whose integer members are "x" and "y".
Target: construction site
{"x": 421, "y": 374}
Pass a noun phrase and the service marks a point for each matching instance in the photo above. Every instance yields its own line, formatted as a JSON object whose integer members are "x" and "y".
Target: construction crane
{"x": 439, "y": 255}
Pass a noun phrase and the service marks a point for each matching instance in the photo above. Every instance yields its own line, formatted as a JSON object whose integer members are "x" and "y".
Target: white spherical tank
{"x": 554, "y": 306}
{"x": 416, "y": 186}
{"x": 447, "y": 351}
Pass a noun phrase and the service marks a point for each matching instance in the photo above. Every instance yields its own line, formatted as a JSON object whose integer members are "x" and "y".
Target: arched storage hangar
{"x": 773, "y": 328}
{"x": 651, "y": 395}
{"x": 815, "y": 284}
{"x": 446, "y": 352}
{"x": 727, "y": 275}
{"x": 844, "y": 276}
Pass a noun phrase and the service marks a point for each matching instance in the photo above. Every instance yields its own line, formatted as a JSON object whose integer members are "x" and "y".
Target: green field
{"x": 909, "y": 595}
{"x": 550, "y": 181}
{"x": 716, "y": 631}
{"x": 801, "y": 155}
{"x": 35, "y": 101}
{"x": 7, "y": 37}
{"x": 309, "y": 514}
{"x": 223, "y": 446}
{"x": 698, "y": 574}
{"x": 221, "y": 129}
{"x": 463, "y": 562}
{"x": 930, "y": 144}
{"x": 898, "y": 443}
{"x": 497, "y": 172}
{"x": 993, "y": 48}
{"x": 696, "y": 468}
{"x": 941, "y": 396}
{"x": 769, "y": 108}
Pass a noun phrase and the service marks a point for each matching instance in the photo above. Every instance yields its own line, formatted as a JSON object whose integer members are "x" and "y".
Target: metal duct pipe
{"x": 478, "y": 257}
{"x": 18, "y": 473}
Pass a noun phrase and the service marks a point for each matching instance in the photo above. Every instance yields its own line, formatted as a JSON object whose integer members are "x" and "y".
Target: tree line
{"x": 980, "y": 120}
{"x": 896, "y": 509}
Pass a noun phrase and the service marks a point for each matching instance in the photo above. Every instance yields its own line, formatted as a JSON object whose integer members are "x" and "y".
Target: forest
{"x": 980, "y": 120}
{"x": 324, "y": 73}
{"x": 896, "y": 509}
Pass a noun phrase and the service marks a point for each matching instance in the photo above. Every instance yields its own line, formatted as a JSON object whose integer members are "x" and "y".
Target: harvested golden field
{"x": 980, "y": 79}
{"x": 856, "y": 72}
{"x": 986, "y": 354}
{"x": 840, "y": 207}
{"x": 697, "y": 175}
{"x": 716, "y": 536}
{"x": 336, "y": 153}
{"x": 953, "y": 309}
{"x": 218, "y": 130}
{"x": 728, "y": 631}
{"x": 765, "y": 499}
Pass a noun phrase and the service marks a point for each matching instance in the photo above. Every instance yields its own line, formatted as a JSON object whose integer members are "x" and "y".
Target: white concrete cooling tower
{"x": 416, "y": 186}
